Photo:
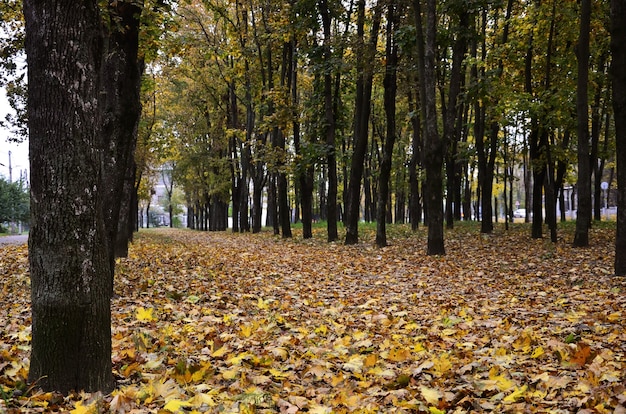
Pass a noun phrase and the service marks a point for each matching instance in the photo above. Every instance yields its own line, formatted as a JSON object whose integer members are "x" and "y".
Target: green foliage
{"x": 14, "y": 201}
{"x": 12, "y": 68}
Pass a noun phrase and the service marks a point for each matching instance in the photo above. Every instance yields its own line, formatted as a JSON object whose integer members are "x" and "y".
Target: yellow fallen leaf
{"x": 337, "y": 379}
{"x": 501, "y": 382}
{"x": 435, "y": 410}
{"x": 202, "y": 398}
{"x": 279, "y": 352}
{"x": 370, "y": 360}
{"x": 236, "y": 360}
{"x": 384, "y": 373}
{"x": 441, "y": 365}
{"x": 145, "y": 315}
{"x": 153, "y": 364}
{"x": 230, "y": 374}
{"x": 614, "y": 317}
{"x": 537, "y": 352}
{"x": 517, "y": 393}
{"x": 220, "y": 352}
{"x": 85, "y": 409}
{"x": 198, "y": 375}
{"x": 278, "y": 374}
{"x": 399, "y": 354}
{"x": 167, "y": 389}
{"x": 176, "y": 406}
{"x": 431, "y": 395}
{"x": 246, "y": 330}
{"x": 319, "y": 409}
{"x": 419, "y": 347}
{"x": 354, "y": 364}
{"x": 263, "y": 305}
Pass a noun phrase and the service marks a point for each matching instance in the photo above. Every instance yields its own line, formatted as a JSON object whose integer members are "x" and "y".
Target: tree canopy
{"x": 259, "y": 105}
{"x": 14, "y": 205}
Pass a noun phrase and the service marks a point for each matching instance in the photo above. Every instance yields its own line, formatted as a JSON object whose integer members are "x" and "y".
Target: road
{"x": 17, "y": 239}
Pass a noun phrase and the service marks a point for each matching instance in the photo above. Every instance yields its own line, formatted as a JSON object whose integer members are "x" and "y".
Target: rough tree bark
{"x": 70, "y": 268}
{"x": 583, "y": 216}
{"x": 329, "y": 127}
{"x": 452, "y": 113}
{"x": 618, "y": 72}
{"x": 361, "y": 119}
{"x": 390, "y": 85}
{"x": 121, "y": 110}
{"x": 434, "y": 146}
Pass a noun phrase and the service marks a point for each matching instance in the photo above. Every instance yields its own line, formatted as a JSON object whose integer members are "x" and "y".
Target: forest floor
{"x": 241, "y": 323}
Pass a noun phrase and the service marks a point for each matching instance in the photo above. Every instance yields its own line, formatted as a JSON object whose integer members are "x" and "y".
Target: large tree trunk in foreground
{"x": 618, "y": 72}
{"x": 70, "y": 268}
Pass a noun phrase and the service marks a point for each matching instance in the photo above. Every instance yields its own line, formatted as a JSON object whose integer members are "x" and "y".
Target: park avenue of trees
{"x": 339, "y": 111}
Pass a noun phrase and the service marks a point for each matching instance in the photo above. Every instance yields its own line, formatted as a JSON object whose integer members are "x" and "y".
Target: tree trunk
{"x": 434, "y": 146}
{"x": 272, "y": 205}
{"x": 361, "y": 119}
{"x": 284, "y": 211}
{"x": 618, "y": 72}
{"x": 329, "y": 127}
{"x": 390, "y": 95}
{"x": 538, "y": 170}
{"x": 415, "y": 212}
{"x": 483, "y": 202}
{"x": 598, "y": 113}
{"x": 126, "y": 213}
{"x": 69, "y": 253}
{"x": 452, "y": 113}
{"x": 259, "y": 179}
{"x": 583, "y": 215}
{"x": 121, "y": 110}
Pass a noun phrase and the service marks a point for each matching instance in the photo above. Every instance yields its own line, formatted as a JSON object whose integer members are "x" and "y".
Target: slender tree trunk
{"x": 598, "y": 111}
{"x": 329, "y": 127}
{"x": 560, "y": 174}
{"x": 257, "y": 202}
{"x": 583, "y": 215}
{"x": 538, "y": 170}
{"x": 69, "y": 249}
{"x": 434, "y": 146}
{"x": 483, "y": 208}
{"x": 390, "y": 95}
{"x": 272, "y": 205}
{"x": 232, "y": 122}
{"x": 284, "y": 212}
{"x": 452, "y": 113}
{"x": 305, "y": 170}
{"x": 415, "y": 212}
{"x": 618, "y": 72}
{"x": 125, "y": 224}
{"x": 361, "y": 120}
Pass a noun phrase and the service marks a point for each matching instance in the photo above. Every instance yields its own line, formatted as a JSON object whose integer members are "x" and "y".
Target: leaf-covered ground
{"x": 220, "y": 322}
